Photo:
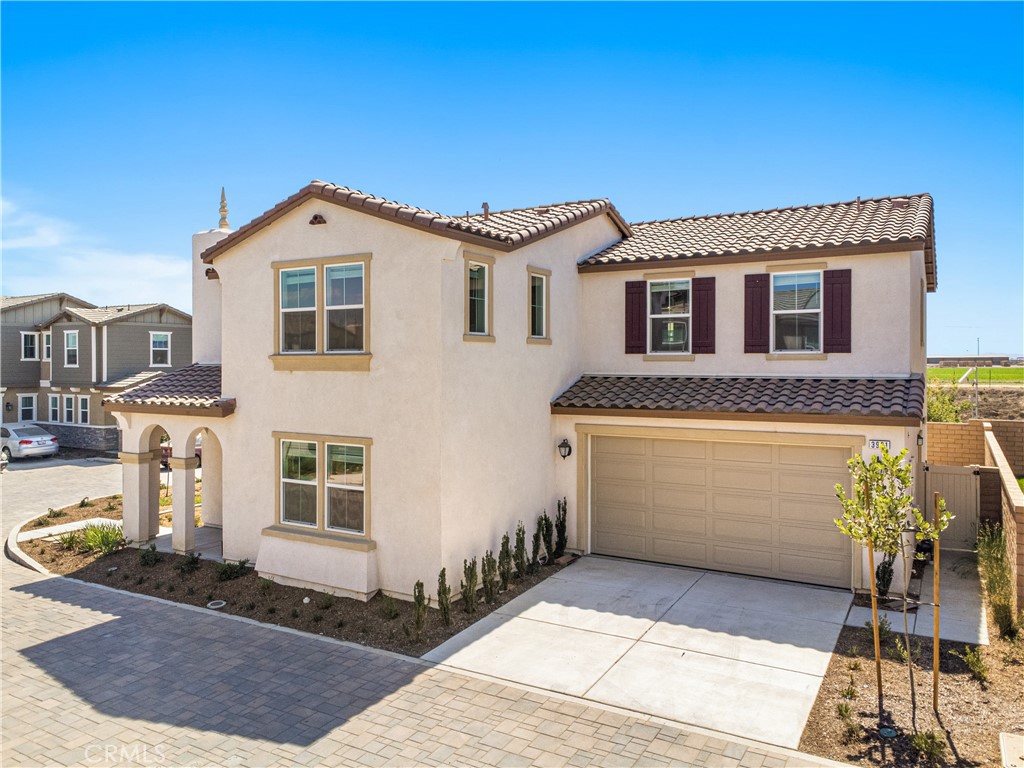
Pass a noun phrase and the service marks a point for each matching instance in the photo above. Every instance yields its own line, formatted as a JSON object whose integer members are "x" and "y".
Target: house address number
{"x": 877, "y": 444}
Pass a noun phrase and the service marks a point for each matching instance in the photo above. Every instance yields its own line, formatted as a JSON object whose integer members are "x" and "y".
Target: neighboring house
{"x": 62, "y": 356}
{"x": 382, "y": 389}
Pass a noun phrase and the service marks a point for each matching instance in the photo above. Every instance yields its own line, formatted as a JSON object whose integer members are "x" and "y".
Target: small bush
{"x": 885, "y": 633}
{"x": 339, "y": 624}
{"x": 561, "y": 519}
{"x": 266, "y": 585}
{"x": 317, "y": 618}
{"x": 231, "y": 571}
{"x": 489, "y": 577}
{"x": 883, "y": 574}
{"x": 468, "y": 586}
{"x": 844, "y": 710}
{"x": 55, "y": 513}
{"x": 854, "y": 666}
{"x": 149, "y": 556}
{"x": 170, "y": 587}
{"x": 110, "y": 506}
{"x": 209, "y": 596}
{"x": 271, "y": 610}
{"x": 104, "y": 538}
{"x": 295, "y": 613}
{"x": 535, "y": 552}
{"x": 191, "y": 563}
{"x": 158, "y": 586}
{"x": 850, "y": 691}
{"x": 547, "y": 533}
{"x": 994, "y": 567}
{"x": 69, "y": 540}
{"x": 84, "y": 503}
{"x": 140, "y": 580}
{"x": 325, "y": 602}
{"x": 930, "y": 747}
{"x": 505, "y": 568}
{"x": 190, "y": 591}
{"x": 389, "y": 608}
{"x": 420, "y": 602}
{"x": 519, "y": 553}
{"x": 975, "y": 662}
{"x": 444, "y": 598}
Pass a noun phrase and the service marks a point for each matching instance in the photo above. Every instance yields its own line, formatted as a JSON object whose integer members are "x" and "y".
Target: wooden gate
{"x": 961, "y": 488}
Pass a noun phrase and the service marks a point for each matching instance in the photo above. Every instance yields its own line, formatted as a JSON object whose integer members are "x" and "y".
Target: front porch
{"x": 208, "y": 541}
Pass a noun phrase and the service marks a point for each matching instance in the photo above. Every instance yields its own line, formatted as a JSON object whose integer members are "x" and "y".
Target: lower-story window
{"x": 298, "y": 482}
{"x": 27, "y": 407}
{"x": 344, "y": 487}
{"x": 69, "y": 409}
{"x": 83, "y": 409}
{"x": 54, "y": 403}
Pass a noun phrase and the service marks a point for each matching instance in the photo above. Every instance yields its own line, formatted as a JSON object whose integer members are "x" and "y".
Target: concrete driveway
{"x": 738, "y": 655}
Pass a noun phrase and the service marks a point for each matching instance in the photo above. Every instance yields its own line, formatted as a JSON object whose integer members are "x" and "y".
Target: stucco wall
{"x": 885, "y": 322}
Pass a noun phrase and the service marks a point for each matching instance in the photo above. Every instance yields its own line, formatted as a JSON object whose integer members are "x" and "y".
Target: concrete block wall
{"x": 991, "y": 493}
{"x": 1012, "y": 512}
{"x": 961, "y": 445}
{"x": 1010, "y": 435}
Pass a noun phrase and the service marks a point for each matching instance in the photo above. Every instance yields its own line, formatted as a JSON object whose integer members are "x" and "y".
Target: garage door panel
{"x": 622, "y": 518}
{"x": 686, "y": 525}
{"x": 620, "y": 469}
{"x": 737, "y": 504}
{"x": 680, "y": 551}
{"x": 804, "y": 510}
{"x": 742, "y": 530}
{"x": 625, "y": 446}
{"x": 680, "y": 449}
{"x": 760, "y": 453}
{"x": 810, "y": 483}
{"x": 813, "y": 538}
{"x": 682, "y": 499}
{"x": 621, "y": 544}
{"x": 834, "y": 572}
{"x": 814, "y": 456}
{"x": 680, "y": 474}
{"x": 741, "y": 480}
{"x": 741, "y": 559}
{"x": 615, "y": 493}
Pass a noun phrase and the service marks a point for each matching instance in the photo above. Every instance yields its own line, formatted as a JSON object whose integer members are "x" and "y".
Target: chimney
{"x": 487, "y": 211}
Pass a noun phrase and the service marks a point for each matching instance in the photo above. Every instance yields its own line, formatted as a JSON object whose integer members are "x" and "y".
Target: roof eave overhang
{"x": 806, "y": 418}
{"x": 218, "y": 410}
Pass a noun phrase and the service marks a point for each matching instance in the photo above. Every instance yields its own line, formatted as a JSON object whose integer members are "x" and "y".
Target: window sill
{"x": 805, "y": 356}
{"x": 666, "y": 358}
{"x": 542, "y": 341}
{"x": 322, "y": 362}
{"x": 478, "y": 337}
{"x": 323, "y": 538}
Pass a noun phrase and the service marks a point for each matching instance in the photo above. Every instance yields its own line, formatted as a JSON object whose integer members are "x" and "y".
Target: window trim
{"x": 333, "y": 535}
{"x": 30, "y": 396}
{"x": 327, "y": 485}
{"x": 684, "y": 354}
{"x": 69, "y": 407}
{"x": 35, "y": 345}
{"x": 282, "y": 481}
{"x": 318, "y": 359}
{"x": 47, "y": 346}
{"x": 545, "y": 275}
{"x": 83, "y": 416}
{"x": 329, "y": 307}
{"x": 487, "y": 262}
{"x": 169, "y": 363}
{"x": 53, "y": 408}
{"x": 77, "y": 348}
{"x": 820, "y": 311}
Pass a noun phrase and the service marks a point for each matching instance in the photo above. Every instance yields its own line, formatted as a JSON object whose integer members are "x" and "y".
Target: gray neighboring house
{"x": 61, "y": 356}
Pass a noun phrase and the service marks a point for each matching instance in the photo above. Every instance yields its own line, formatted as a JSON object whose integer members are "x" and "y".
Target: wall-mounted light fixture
{"x": 8, "y": 406}
{"x": 920, "y": 439}
{"x": 564, "y": 449}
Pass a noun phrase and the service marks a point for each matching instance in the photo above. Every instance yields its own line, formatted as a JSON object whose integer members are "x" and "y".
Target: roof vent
{"x": 487, "y": 210}
{"x": 318, "y": 218}
{"x": 543, "y": 210}
{"x": 900, "y": 202}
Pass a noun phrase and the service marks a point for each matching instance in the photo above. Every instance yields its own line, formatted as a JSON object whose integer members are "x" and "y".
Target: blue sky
{"x": 121, "y": 121}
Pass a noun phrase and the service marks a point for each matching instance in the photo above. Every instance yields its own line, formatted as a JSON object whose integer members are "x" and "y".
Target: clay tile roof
{"x": 131, "y": 381}
{"x": 504, "y": 230}
{"x": 195, "y": 386}
{"x": 880, "y": 221}
{"x": 850, "y": 398}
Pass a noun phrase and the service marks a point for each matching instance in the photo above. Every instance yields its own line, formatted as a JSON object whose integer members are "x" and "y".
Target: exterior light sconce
{"x": 10, "y": 407}
{"x": 920, "y": 439}
{"x": 564, "y": 449}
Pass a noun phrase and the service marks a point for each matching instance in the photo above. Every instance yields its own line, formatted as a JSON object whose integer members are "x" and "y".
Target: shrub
{"x": 997, "y": 576}
{"x": 295, "y": 613}
{"x": 944, "y": 403}
{"x": 547, "y": 533}
{"x": 69, "y": 540}
{"x": 535, "y": 552}
{"x": 104, "y": 538}
{"x": 489, "y": 577}
{"x": 843, "y": 710}
{"x": 231, "y": 571}
{"x": 444, "y": 598}
{"x": 389, "y": 607}
{"x": 325, "y": 602}
{"x": 519, "y": 554}
{"x": 271, "y": 610}
{"x": 149, "y": 556}
{"x": 505, "y": 563}
{"x": 266, "y": 585}
{"x": 84, "y": 503}
{"x": 420, "y": 602}
{"x": 561, "y": 517}
{"x": 883, "y": 574}
{"x": 317, "y": 618}
{"x": 55, "y": 513}
{"x": 975, "y": 662}
{"x": 468, "y": 586}
{"x": 929, "y": 747}
{"x": 850, "y": 691}
{"x": 191, "y": 562}
{"x": 885, "y": 633}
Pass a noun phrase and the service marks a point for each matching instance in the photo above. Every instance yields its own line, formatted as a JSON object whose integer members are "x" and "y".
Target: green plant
{"x": 929, "y": 746}
{"x": 884, "y": 572}
{"x": 997, "y": 576}
{"x": 505, "y": 567}
{"x": 295, "y": 613}
{"x": 844, "y": 710}
{"x": 561, "y": 520}
{"x": 850, "y": 691}
{"x": 231, "y": 571}
{"x": 389, "y": 607}
{"x": 272, "y": 609}
{"x": 266, "y": 585}
{"x": 69, "y": 540}
{"x": 945, "y": 404}
{"x": 104, "y": 538}
{"x": 190, "y": 591}
{"x": 110, "y": 506}
{"x": 170, "y": 587}
{"x": 209, "y": 596}
{"x": 39, "y": 523}
{"x": 84, "y": 503}
{"x": 55, "y": 513}
{"x": 489, "y": 577}
{"x": 535, "y": 551}
{"x": 854, "y": 666}
{"x": 317, "y": 618}
{"x": 420, "y": 603}
{"x": 519, "y": 553}
{"x": 191, "y": 562}
{"x": 975, "y": 662}
{"x": 158, "y": 586}
{"x": 140, "y": 580}
{"x": 339, "y": 624}
{"x": 444, "y": 598}
{"x": 149, "y": 556}
{"x": 468, "y": 586}
{"x": 547, "y": 533}
{"x": 325, "y": 601}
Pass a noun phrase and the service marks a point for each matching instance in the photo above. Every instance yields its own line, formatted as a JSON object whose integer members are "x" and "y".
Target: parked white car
{"x": 21, "y": 440}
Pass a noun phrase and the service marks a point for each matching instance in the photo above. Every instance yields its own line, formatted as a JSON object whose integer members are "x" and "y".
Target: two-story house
{"x": 384, "y": 390}
{"x": 62, "y": 356}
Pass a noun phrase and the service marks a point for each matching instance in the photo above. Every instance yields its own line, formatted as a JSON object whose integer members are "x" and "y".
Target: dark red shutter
{"x": 703, "y": 315}
{"x": 636, "y": 317}
{"x": 836, "y": 311}
{"x": 756, "y": 313}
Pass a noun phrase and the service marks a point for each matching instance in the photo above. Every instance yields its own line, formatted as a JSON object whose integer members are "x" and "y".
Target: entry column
{"x": 183, "y": 509}
{"x": 137, "y": 518}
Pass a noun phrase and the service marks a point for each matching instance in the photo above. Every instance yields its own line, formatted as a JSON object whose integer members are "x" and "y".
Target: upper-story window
{"x": 47, "y": 345}
{"x": 344, "y": 306}
{"x": 539, "y": 307}
{"x": 477, "y": 298}
{"x": 669, "y": 316}
{"x": 70, "y": 349}
{"x": 298, "y": 310}
{"x": 29, "y": 346}
{"x": 796, "y": 312}
{"x": 159, "y": 349}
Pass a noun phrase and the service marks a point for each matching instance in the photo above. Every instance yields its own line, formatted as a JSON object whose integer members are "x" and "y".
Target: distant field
{"x": 985, "y": 375}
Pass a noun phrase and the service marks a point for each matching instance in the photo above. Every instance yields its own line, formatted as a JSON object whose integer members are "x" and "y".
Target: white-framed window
{"x": 298, "y": 310}
{"x": 47, "y": 345}
{"x": 668, "y": 316}
{"x": 26, "y": 407}
{"x": 344, "y": 482}
{"x": 299, "y": 482}
{"x": 29, "y": 346}
{"x": 53, "y": 402}
{"x": 796, "y": 312}
{"x": 69, "y": 409}
{"x": 160, "y": 349}
{"x": 343, "y": 305}
{"x": 70, "y": 349}
{"x": 539, "y": 304}
{"x": 83, "y": 409}
{"x": 477, "y": 298}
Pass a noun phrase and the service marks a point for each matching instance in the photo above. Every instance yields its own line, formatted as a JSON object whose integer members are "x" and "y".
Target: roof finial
{"x": 223, "y": 211}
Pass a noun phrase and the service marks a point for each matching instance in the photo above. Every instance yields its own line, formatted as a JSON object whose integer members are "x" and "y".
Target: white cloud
{"x": 43, "y": 254}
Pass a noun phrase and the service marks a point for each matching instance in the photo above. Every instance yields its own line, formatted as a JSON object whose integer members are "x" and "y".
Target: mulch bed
{"x": 108, "y": 507}
{"x": 367, "y": 623}
{"x": 971, "y": 714}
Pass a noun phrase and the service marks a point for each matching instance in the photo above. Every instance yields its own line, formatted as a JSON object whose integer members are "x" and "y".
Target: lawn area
{"x": 1001, "y": 376}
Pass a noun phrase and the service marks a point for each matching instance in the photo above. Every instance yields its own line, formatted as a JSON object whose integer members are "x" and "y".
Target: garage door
{"x": 754, "y": 508}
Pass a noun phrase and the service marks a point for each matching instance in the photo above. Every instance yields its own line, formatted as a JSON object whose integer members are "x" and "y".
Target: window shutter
{"x": 757, "y": 313}
{"x": 703, "y": 316}
{"x": 636, "y": 317}
{"x": 836, "y": 311}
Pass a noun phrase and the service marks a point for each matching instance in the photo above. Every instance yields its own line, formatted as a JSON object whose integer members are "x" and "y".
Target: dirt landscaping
{"x": 109, "y": 507}
{"x": 971, "y": 713}
{"x": 1000, "y": 402}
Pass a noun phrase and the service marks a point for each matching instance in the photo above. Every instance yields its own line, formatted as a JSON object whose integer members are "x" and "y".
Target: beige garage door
{"x": 754, "y": 508}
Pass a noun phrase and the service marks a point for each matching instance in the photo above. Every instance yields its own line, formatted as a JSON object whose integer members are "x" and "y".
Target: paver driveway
{"x": 738, "y": 655}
